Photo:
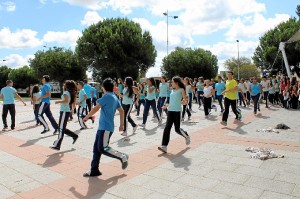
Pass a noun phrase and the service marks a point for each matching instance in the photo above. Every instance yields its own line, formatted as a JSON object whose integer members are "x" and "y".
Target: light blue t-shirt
{"x": 199, "y": 86}
{"x": 276, "y": 87}
{"x": 109, "y": 104}
{"x": 255, "y": 89}
{"x": 81, "y": 97}
{"x": 37, "y": 95}
{"x": 220, "y": 88}
{"x": 175, "y": 100}
{"x": 163, "y": 89}
{"x": 152, "y": 95}
{"x": 142, "y": 96}
{"x": 8, "y": 93}
{"x": 126, "y": 99}
{"x": 271, "y": 90}
{"x": 93, "y": 89}
{"x": 65, "y": 107}
{"x": 46, "y": 87}
{"x": 120, "y": 88}
{"x": 87, "y": 88}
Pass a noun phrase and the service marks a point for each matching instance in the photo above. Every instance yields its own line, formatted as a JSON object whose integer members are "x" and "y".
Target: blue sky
{"x": 27, "y": 26}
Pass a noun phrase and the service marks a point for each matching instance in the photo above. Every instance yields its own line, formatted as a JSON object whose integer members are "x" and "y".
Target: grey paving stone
{"x": 277, "y": 167}
{"x": 238, "y": 191}
{"x": 105, "y": 196}
{"x": 193, "y": 193}
{"x": 274, "y": 195}
{"x": 130, "y": 191}
{"x": 164, "y": 174}
{"x": 5, "y": 192}
{"x": 26, "y": 187}
{"x": 225, "y": 166}
{"x": 141, "y": 179}
{"x": 246, "y": 161}
{"x": 254, "y": 171}
{"x": 197, "y": 182}
{"x": 288, "y": 177}
{"x": 271, "y": 185}
{"x": 296, "y": 191}
{"x": 228, "y": 176}
{"x": 158, "y": 195}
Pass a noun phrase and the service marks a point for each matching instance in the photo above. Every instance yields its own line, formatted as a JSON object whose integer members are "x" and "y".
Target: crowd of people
{"x": 174, "y": 97}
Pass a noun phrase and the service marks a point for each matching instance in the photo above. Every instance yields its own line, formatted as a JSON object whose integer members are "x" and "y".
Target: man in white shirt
{"x": 265, "y": 87}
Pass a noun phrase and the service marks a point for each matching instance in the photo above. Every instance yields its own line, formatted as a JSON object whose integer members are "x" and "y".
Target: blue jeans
{"x": 149, "y": 103}
{"x": 220, "y": 98}
{"x": 141, "y": 101}
{"x": 160, "y": 103}
{"x": 36, "y": 110}
{"x": 255, "y": 99}
{"x": 200, "y": 98}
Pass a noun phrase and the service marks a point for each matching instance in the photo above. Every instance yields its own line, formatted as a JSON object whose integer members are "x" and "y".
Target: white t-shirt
{"x": 265, "y": 85}
{"x": 207, "y": 91}
{"x": 187, "y": 89}
{"x": 242, "y": 86}
{"x": 248, "y": 85}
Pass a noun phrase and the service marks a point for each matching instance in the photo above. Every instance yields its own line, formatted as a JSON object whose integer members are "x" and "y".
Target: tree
{"x": 116, "y": 48}
{"x": 232, "y": 63}
{"x": 59, "y": 63}
{"x": 187, "y": 62}
{"x": 4, "y": 71}
{"x": 298, "y": 11}
{"x": 265, "y": 54}
{"x": 23, "y": 77}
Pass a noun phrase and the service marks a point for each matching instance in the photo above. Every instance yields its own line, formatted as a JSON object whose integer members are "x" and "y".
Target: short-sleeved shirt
{"x": 243, "y": 87}
{"x": 93, "y": 89}
{"x": 231, "y": 84}
{"x": 264, "y": 85}
{"x": 163, "y": 89}
{"x": 199, "y": 86}
{"x": 271, "y": 90}
{"x": 142, "y": 96}
{"x": 109, "y": 104}
{"x": 81, "y": 97}
{"x": 126, "y": 99}
{"x": 188, "y": 89}
{"x": 248, "y": 84}
{"x": 220, "y": 87}
{"x": 46, "y": 87}
{"x": 255, "y": 89}
{"x": 152, "y": 95}
{"x": 207, "y": 91}
{"x": 8, "y": 93}
{"x": 65, "y": 107}
{"x": 175, "y": 100}
{"x": 120, "y": 88}
{"x": 37, "y": 96}
{"x": 87, "y": 88}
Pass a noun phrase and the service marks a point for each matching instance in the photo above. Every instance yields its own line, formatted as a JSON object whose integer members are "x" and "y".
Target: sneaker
{"x": 135, "y": 128}
{"x": 224, "y": 123}
{"x": 162, "y": 149}
{"x": 124, "y": 161}
{"x": 75, "y": 139}
{"x": 258, "y": 109}
{"x": 255, "y": 112}
{"x": 54, "y": 148}
{"x": 187, "y": 140}
{"x": 239, "y": 116}
{"x": 5, "y": 129}
{"x": 124, "y": 133}
{"x": 12, "y": 128}
{"x": 92, "y": 174}
{"x": 45, "y": 131}
{"x": 143, "y": 126}
{"x": 83, "y": 128}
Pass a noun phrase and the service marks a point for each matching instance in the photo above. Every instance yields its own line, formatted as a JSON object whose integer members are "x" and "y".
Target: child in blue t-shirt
{"x": 108, "y": 104}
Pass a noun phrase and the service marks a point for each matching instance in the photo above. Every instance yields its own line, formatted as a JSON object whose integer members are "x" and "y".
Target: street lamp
{"x": 174, "y": 17}
{"x": 238, "y": 47}
{"x": 3, "y": 60}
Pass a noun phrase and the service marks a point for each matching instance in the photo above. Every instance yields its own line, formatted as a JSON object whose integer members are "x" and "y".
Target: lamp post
{"x": 3, "y": 60}
{"x": 238, "y": 47}
{"x": 174, "y": 17}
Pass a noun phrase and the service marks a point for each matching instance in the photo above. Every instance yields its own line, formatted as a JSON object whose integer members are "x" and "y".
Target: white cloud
{"x": 70, "y": 37}
{"x": 16, "y": 60}
{"x": 24, "y": 38}
{"x": 9, "y": 6}
{"x": 258, "y": 26}
{"x": 91, "y": 17}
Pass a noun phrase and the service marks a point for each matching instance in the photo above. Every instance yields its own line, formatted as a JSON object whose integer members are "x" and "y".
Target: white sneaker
{"x": 124, "y": 133}
{"x": 143, "y": 126}
{"x": 163, "y": 149}
{"x": 187, "y": 140}
{"x": 134, "y": 129}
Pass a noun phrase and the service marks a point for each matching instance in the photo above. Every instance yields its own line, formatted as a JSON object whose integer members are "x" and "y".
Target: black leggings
{"x": 127, "y": 109}
{"x": 186, "y": 109}
{"x": 173, "y": 118}
{"x": 207, "y": 104}
{"x": 227, "y": 104}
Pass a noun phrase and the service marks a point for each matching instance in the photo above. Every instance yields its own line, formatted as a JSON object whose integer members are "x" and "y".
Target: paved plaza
{"x": 215, "y": 165}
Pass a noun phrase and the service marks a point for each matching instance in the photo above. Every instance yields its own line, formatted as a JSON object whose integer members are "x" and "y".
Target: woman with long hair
{"x": 142, "y": 93}
{"x": 128, "y": 100}
{"x": 177, "y": 98}
{"x": 163, "y": 94}
{"x": 186, "y": 108}
{"x": 68, "y": 98}
{"x": 150, "y": 101}
{"x": 35, "y": 95}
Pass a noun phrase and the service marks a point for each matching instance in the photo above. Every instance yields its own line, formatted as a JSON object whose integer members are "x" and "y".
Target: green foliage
{"x": 232, "y": 63}
{"x": 116, "y": 48}
{"x": 266, "y": 52}
{"x": 61, "y": 64}
{"x": 298, "y": 11}
{"x": 22, "y": 77}
{"x": 190, "y": 63}
{"x": 4, "y": 71}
